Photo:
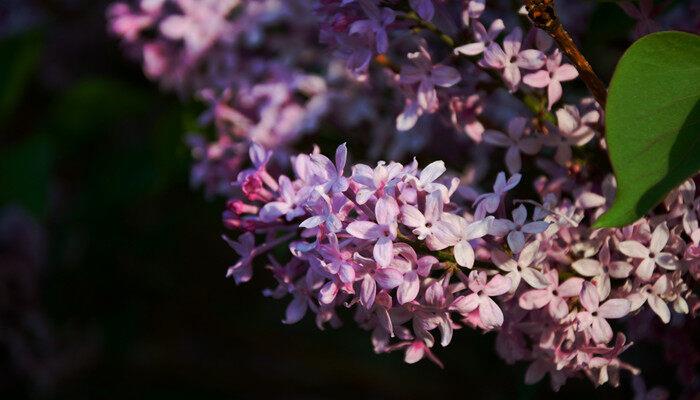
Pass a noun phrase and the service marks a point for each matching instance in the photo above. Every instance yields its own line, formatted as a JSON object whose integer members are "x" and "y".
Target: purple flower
{"x": 424, "y": 8}
{"x": 517, "y": 228}
{"x": 522, "y": 269}
{"x": 509, "y": 59}
{"x": 378, "y": 181}
{"x": 473, "y": 10}
{"x": 643, "y": 15}
{"x": 427, "y": 76}
{"x": 423, "y": 223}
{"x": 489, "y": 202}
{"x": 376, "y": 25}
{"x": 552, "y": 77}
{"x": 332, "y": 175}
{"x": 515, "y": 142}
{"x": 652, "y": 255}
{"x": 490, "y": 314}
{"x": 242, "y": 270}
{"x": 554, "y": 295}
{"x": 594, "y": 319}
{"x": 455, "y": 231}
{"x": 483, "y": 38}
{"x": 382, "y": 233}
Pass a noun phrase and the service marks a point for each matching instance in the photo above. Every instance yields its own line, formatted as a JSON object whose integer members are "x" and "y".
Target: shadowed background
{"x": 112, "y": 268}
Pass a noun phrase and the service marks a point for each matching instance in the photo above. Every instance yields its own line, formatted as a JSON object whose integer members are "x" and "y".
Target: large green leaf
{"x": 653, "y": 122}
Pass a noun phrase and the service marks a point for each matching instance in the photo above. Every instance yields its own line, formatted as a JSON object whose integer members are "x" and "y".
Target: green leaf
{"x": 653, "y": 123}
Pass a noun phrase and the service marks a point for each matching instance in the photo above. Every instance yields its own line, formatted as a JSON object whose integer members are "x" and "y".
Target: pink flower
{"x": 594, "y": 319}
{"x": 651, "y": 256}
{"x": 490, "y": 314}
{"x": 288, "y": 207}
{"x": 515, "y": 142}
{"x": 510, "y": 58}
{"x": 654, "y": 296}
{"x": 522, "y": 269}
{"x": 456, "y": 231}
{"x": 423, "y": 224}
{"x": 574, "y": 130}
{"x": 464, "y": 113}
{"x": 242, "y": 270}
{"x": 554, "y": 295}
{"x": 378, "y": 181}
{"x": 427, "y": 75}
{"x": 489, "y": 202}
{"x": 602, "y": 269}
{"x": 483, "y": 38}
{"x": 517, "y": 228}
{"x": 332, "y": 175}
{"x": 383, "y": 232}
{"x": 552, "y": 77}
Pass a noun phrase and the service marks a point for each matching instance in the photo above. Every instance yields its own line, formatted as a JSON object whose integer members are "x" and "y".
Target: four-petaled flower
{"x": 509, "y": 58}
{"x": 651, "y": 256}
{"x": 594, "y": 318}
{"x": 383, "y": 232}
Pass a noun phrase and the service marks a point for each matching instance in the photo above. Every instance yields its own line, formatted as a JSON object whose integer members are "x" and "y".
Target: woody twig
{"x": 543, "y": 15}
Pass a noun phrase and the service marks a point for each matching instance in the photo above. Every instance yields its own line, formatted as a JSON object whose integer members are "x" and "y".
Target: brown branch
{"x": 544, "y": 16}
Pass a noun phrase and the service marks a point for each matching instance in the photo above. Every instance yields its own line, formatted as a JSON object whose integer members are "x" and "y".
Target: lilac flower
{"x": 509, "y": 58}
{"x": 376, "y": 25}
{"x": 457, "y": 232}
{"x": 427, "y": 75}
{"x": 483, "y": 38}
{"x": 522, "y": 269}
{"x": 242, "y": 270}
{"x": 515, "y": 142}
{"x": 473, "y": 10}
{"x": 654, "y": 296}
{"x": 334, "y": 181}
{"x": 465, "y": 113}
{"x": 643, "y": 15}
{"x": 490, "y": 314}
{"x": 594, "y": 319}
{"x": 378, "y": 181}
{"x": 289, "y": 207}
{"x": 651, "y": 256}
{"x": 517, "y": 228}
{"x": 383, "y": 231}
{"x": 574, "y": 130}
{"x": 424, "y": 8}
{"x": 554, "y": 295}
{"x": 552, "y": 77}
{"x": 603, "y": 269}
{"x": 489, "y": 202}
{"x": 423, "y": 224}
{"x": 349, "y": 238}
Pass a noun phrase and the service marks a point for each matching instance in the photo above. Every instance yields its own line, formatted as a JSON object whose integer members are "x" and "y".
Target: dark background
{"x": 120, "y": 263}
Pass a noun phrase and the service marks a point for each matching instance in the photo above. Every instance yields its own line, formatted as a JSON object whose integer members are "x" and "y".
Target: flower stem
{"x": 544, "y": 16}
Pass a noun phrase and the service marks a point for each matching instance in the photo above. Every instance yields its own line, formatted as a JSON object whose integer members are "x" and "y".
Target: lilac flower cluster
{"x": 414, "y": 252}
{"x": 399, "y": 246}
{"x": 246, "y": 60}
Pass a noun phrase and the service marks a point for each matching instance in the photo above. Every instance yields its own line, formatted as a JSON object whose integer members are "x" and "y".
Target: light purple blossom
{"x": 515, "y": 141}
{"x": 509, "y": 59}
{"x": 552, "y": 77}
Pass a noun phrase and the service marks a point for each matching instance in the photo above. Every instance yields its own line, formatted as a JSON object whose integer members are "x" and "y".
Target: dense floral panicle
{"x": 416, "y": 252}
{"x": 392, "y": 243}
